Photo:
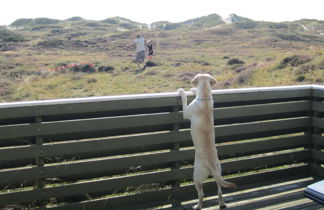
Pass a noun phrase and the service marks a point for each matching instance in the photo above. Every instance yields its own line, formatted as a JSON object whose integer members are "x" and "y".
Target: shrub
{"x": 151, "y": 73}
{"x": 243, "y": 78}
{"x": 61, "y": 64}
{"x": 106, "y": 68}
{"x": 222, "y": 32}
{"x": 301, "y": 78}
{"x": 234, "y": 61}
{"x": 204, "y": 63}
{"x": 305, "y": 68}
{"x": 126, "y": 68}
{"x": 176, "y": 64}
{"x": 84, "y": 68}
{"x": 54, "y": 43}
{"x": 151, "y": 63}
{"x": 289, "y": 37}
{"x": 278, "y": 26}
{"x": 246, "y": 25}
{"x": 186, "y": 76}
{"x": 5, "y": 91}
{"x": 321, "y": 65}
{"x": 76, "y": 77}
{"x": 294, "y": 61}
{"x": 91, "y": 80}
{"x": 127, "y": 26}
{"x": 8, "y": 36}
{"x": 243, "y": 68}
{"x": 239, "y": 69}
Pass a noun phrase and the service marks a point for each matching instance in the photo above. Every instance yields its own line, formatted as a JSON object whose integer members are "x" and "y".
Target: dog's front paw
{"x": 223, "y": 206}
{"x": 181, "y": 91}
{"x": 194, "y": 91}
{"x": 197, "y": 207}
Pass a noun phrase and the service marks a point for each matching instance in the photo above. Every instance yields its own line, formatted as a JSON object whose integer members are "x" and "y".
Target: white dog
{"x": 200, "y": 113}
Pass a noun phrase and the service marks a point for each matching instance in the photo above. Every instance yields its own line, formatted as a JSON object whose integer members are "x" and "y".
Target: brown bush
{"x": 151, "y": 73}
{"x": 5, "y": 91}
{"x": 294, "y": 61}
{"x": 185, "y": 76}
{"x": 234, "y": 61}
{"x": 306, "y": 68}
{"x": 91, "y": 80}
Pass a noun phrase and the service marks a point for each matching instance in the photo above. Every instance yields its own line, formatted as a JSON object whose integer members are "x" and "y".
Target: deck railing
{"x": 136, "y": 151}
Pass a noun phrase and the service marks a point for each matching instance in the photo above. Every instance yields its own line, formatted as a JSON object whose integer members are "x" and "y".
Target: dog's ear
{"x": 212, "y": 81}
{"x": 194, "y": 81}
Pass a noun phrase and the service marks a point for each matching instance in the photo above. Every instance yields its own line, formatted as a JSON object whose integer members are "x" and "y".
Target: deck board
{"x": 280, "y": 194}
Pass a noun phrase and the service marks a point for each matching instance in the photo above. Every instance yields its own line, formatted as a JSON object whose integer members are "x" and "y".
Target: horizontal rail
{"x": 140, "y": 101}
{"x": 110, "y": 166}
{"x": 115, "y": 126}
{"x": 160, "y": 177}
{"x": 138, "y": 144}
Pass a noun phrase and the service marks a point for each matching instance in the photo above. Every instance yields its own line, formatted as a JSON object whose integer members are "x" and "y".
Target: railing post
{"x": 39, "y": 160}
{"x": 175, "y": 147}
{"x": 316, "y": 131}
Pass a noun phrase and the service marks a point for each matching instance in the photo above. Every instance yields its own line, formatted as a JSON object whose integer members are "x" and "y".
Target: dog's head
{"x": 203, "y": 79}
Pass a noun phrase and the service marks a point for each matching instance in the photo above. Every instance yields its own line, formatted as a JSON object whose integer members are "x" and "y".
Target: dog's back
{"x": 202, "y": 128}
{"x": 202, "y": 122}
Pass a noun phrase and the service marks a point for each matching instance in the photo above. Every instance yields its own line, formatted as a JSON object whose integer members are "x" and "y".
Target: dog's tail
{"x": 227, "y": 184}
{"x": 220, "y": 180}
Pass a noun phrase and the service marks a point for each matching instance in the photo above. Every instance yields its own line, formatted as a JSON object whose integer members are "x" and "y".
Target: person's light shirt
{"x": 140, "y": 44}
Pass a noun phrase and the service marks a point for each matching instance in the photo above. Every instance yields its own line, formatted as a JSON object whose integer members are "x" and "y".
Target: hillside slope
{"x": 44, "y": 58}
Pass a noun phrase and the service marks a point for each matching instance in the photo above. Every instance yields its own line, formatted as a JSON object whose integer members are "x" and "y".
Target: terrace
{"x": 135, "y": 151}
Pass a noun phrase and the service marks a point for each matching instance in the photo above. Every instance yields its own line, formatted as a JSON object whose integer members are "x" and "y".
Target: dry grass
{"x": 180, "y": 57}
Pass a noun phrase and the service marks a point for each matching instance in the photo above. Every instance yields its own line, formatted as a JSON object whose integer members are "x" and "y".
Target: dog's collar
{"x": 204, "y": 99}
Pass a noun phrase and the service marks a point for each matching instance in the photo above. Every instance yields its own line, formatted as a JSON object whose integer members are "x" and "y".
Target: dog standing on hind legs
{"x": 200, "y": 114}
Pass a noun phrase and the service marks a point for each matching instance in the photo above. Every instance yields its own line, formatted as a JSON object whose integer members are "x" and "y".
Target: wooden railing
{"x": 136, "y": 151}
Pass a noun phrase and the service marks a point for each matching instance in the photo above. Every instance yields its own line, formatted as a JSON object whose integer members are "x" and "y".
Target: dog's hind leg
{"x": 200, "y": 174}
{"x": 221, "y": 203}
{"x": 200, "y": 192}
{"x": 216, "y": 172}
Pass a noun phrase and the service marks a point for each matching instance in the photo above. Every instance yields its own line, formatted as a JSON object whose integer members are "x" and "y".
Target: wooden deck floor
{"x": 284, "y": 194}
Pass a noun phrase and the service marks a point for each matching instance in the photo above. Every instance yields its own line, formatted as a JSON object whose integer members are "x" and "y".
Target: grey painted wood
{"x": 317, "y": 170}
{"x": 318, "y": 122}
{"x": 317, "y": 91}
{"x": 317, "y": 154}
{"x": 319, "y": 140}
{"x": 261, "y": 109}
{"x": 124, "y": 125}
{"x": 114, "y": 103}
{"x": 141, "y": 143}
{"x": 159, "y": 177}
{"x": 110, "y": 166}
{"x": 318, "y": 106}
{"x": 186, "y": 192}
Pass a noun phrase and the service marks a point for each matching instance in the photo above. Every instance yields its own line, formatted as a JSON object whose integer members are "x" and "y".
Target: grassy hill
{"x": 244, "y": 53}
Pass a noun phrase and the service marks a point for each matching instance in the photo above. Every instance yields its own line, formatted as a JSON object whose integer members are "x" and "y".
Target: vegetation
{"x": 242, "y": 53}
